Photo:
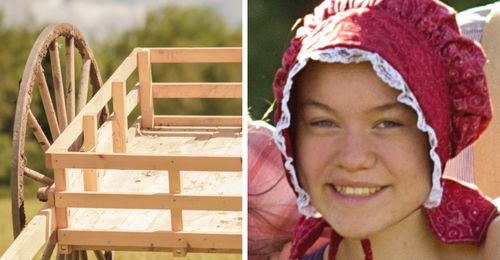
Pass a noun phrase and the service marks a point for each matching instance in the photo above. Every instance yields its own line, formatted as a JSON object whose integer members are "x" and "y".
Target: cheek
{"x": 310, "y": 157}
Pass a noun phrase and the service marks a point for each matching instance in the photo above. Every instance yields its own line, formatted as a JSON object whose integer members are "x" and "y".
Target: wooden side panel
{"x": 198, "y": 120}
{"x": 152, "y": 240}
{"x": 197, "y": 90}
{"x": 196, "y": 55}
{"x": 121, "y": 161}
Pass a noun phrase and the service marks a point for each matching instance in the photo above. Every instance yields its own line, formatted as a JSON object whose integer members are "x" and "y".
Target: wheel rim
{"x": 62, "y": 111}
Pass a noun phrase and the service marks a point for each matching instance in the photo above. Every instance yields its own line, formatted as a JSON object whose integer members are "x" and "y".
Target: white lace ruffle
{"x": 387, "y": 74}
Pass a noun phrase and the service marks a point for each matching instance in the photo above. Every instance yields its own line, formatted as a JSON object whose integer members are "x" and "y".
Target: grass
{"x": 33, "y": 206}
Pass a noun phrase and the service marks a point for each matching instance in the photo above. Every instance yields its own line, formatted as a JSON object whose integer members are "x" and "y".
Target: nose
{"x": 354, "y": 152}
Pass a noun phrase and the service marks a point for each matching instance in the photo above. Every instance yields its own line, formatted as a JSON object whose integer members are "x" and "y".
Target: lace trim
{"x": 387, "y": 74}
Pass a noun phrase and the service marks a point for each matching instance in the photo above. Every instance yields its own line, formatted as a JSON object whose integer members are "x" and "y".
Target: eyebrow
{"x": 380, "y": 108}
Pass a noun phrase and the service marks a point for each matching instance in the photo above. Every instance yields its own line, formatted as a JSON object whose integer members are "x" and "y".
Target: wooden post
{"x": 120, "y": 123}
{"x": 89, "y": 143}
{"x": 62, "y": 218}
{"x": 175, "y": 187}
{"x": 145, "y": 90}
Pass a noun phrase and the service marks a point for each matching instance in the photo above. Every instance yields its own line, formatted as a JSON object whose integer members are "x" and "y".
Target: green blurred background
{"x": 269, "y": 34}
{"x": 168, "y": 26}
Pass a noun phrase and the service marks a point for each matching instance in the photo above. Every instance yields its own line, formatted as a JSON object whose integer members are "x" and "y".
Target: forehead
{"x": 342, "y": 84}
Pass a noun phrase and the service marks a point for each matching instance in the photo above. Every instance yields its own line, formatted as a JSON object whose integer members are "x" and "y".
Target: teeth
{"x": 357, "y": 191}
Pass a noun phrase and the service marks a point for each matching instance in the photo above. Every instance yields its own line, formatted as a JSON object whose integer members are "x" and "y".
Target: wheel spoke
{"x": 83, "y": 255}
{"x": 70, "y": 77}
{"x": 99, "y": 255}
{"x": 47, "y": 253}
{"x": 58, "y": 85}
{"x": 37, "y": 131}
{"x": 84, "y": 85}
{"x": 39, "y": 177}
{"x": 48, "y": 106}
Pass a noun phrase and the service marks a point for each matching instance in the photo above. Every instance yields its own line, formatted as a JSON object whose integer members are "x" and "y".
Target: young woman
{"x": 374, "y": 98}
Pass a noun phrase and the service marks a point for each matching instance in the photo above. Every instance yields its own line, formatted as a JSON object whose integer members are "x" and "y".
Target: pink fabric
{"x": 421, "y": 40}
{"x": 272, "y": 212}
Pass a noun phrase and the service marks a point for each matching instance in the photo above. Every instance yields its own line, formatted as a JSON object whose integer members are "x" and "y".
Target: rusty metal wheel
{"x": 44, "y": 68}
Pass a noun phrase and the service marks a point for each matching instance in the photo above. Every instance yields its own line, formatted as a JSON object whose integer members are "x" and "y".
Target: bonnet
{"x": 415, "y": 47}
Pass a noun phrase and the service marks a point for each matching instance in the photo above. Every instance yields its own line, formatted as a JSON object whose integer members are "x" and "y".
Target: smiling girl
{"x": 374, "y": 98}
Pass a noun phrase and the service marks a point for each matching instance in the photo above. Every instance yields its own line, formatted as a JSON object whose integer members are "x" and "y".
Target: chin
{"x": 356, "y": 230}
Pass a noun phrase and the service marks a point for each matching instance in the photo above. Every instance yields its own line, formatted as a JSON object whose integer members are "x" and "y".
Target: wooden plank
{"x": 48, "y": 106}
{"x": 122, "y": 161}
{"x": 176, "y": 219}
{"x": 152, "y": 240}
{"x": 58, "y": 85}
{"x": 132, "y": 99}
{"x": 130, "y": 200}
{"x": 89, "y": 143}
{"x": 61, "y": 184}
{"x": 98, "y": 101}
{"x": 198, "y": 120}
{"x": 175, "y": 187}
{"x": 120, "y": 123}
{"x": 197, "y": 90}
{"x": 146, "y": 96}
{"x": 155, "y": 249}
{"x": 33, "y": 236}
{"x": 70, "y": 77}
{"x": 196, "y": 55}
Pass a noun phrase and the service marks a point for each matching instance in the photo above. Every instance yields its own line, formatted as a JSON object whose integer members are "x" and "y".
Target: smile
{"x": 357, "y": 191}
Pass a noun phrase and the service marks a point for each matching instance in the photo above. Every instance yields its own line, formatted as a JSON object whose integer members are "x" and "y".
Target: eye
{"x": 324, "y": 124}
{"x": 388, "y": 124}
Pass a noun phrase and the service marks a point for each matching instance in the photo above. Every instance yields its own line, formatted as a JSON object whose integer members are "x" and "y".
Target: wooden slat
{"x": 132, "y": 99}
{"x": 33, "y": 236}
{"x": 98, "y": 101}
{"x": 38, "y": 131}
{"x": 196, "y": 55}
{"x": 89, "y": 143}
{"x": 156, "y": 249}
{"x": 58, "y": 85}
{"x": 146, "y": 96}
{"x": 123, "y": 161}
{"x": 120, "y": 123}
{"x": 126, "y": 200}
{"x": 84, "y": 85}
{"x": 174, "y": 181}
{"x": 152, "y": 240}
{"x": 48, "y": 106}
{"x": 197, "y": 90}
{"x": 198, "y": 120}
{"x": 175, "y": 187}
{"x": 70, "y": 77}
{"x": 61, "y": 184}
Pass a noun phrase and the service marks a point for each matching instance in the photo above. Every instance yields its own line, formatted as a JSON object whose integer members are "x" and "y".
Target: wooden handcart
{"x": 151, "y": 183}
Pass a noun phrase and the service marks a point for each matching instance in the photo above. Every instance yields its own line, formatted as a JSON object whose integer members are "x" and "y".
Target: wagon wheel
{"x": 52, "y": 120}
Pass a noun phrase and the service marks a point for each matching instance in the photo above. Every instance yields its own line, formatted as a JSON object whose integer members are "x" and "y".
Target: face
{"x": 358, "y": 151}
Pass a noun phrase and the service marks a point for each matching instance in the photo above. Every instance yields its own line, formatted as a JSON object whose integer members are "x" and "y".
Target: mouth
{"x": 357, "y": 191}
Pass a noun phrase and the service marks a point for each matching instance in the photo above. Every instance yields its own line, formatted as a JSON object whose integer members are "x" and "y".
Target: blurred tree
{"x": 175, "y": 26}
{"x": 269, "y": 30}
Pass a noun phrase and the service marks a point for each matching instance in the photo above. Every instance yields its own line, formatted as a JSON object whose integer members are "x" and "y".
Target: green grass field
{"x": 33, "y": 205}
